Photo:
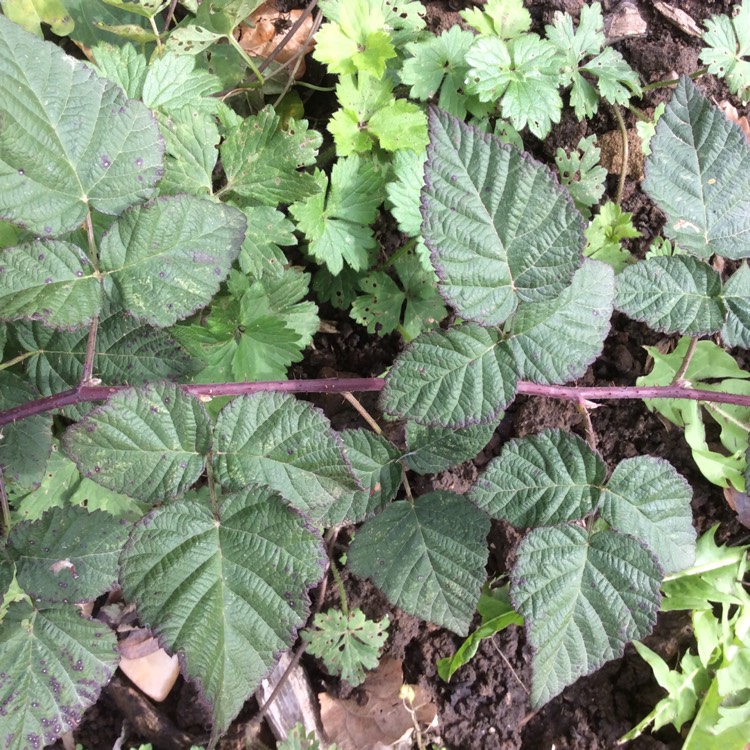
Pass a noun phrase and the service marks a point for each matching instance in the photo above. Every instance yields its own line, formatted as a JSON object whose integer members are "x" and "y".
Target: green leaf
{"x": 434, "y": 449}
{"x": 424, "y": 305}
{"x": 93, "y": 21}
{"x": 540, "y": 480}
{"x": 337, "y": 225}
{"x": 191, "y": 39}
{"x": 556, "y": 341}
{"x": 69, "y": 555}
{"x": 268, "y": 230}
{"x": 122, "y": 65}
{"x": 523, "y": 74}
{"x": 225, "y": 587}
{"x": 427, "y": 557}
{"x": 583, "y": 597}
{"x": 147, "y": 442}
{"x": 375, "y": 463}
{"x": 678, "y": 294}
{"x": 699, "y": 175}
{"x": 647, "y": 498}
{"x": 451, "y": 378}
{"x": 145, "y": 8}
{"x": 273, "y": 440}
{"x": 262, "y": 160}
{"x": 605, "y": 234}
{"x": 400, "y": 125}
{"x": 348, "y": 644}
{"x": 727, "y": 49}
{"x": 24, "y": 446}
{"x": 736, "y": 298}
{"x": 173, "y": 83}
{"x": 90, "y": 147}
{"x": 379, "y": 308}
{"x": 127, "y": 353}
{"x": 493, "y": 247}
{"x": 167, "y": 258}
{"x": 51, "y": 281}
{"x": 404, "y": 191}
{"x": 616, "y": 80}
{"x": 503, "y": 18}
{"x": 582, "y": 174}
{"x": 30, "y": 14}
{"x": 54, "y": 664}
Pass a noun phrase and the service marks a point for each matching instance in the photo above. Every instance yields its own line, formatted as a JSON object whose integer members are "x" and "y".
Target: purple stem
{"x": 86, "y": 393}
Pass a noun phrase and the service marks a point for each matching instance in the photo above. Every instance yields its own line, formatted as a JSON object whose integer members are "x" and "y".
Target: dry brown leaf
{"x": 154, "y": 674}
{"x": 265, "y": 27}
{"x": 381, "y": 721}
{"x": 739, "y": 502}
{"x": 731, "y": 113}
{"x": 679, "y": 18}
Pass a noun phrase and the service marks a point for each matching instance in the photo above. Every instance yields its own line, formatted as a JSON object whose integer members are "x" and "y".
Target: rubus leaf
{"x": 434, "y": 449}
{"x": 427, "y": 557}
{"x": 147, "y": 442}
{"x": 69, "y": 555}
{"x": 225, "y": 587}
{"x": 583, "y": 597}
{"x": 699, "y": 175}
{"x": 24, "y": 446}
{"x": 544, "y": 479}
{"x": 375, "y": 464}
{"x": 451, "y": 378}
{"x": 167, "y": 258}
{"x": 271, "y": 439}
{"x": 172, "y": 83}
{"x": 53, "y": 663}
{"x": 491, "y": 245}
{"x": 51, "y": 281}
{"x": 348, "y": 644}
{"x": 90, "y": 147}
{"x": 261, "y": 160}
{"x": 736, "y": 298}
{"x": 648, "y": 499}
{"x": 672, "y": 294}
{"x": 555, "y": 341}
{"x": 91, "y": 19}
{"x": 128, "y": 352}
{"x": 123, "y": 65}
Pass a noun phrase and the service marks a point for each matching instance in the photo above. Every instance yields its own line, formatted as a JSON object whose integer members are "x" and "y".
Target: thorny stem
{"x": 625, "y": 153}
{"x": 674, "y": 81}
{"x": 680, "y": 374}
{"x": 5, "y": 504}
{"x": 87, "y": 393}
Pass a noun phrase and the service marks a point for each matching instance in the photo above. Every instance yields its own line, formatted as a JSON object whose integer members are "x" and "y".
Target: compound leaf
{"x": 672, "y": 294}
{"x": 68, "y": 555}
{"x": 379, "y": 308}
{"x": 736, "y": 298}
{"x": 647, "y": 498}
{"x": 544, "y": 479}
{"x": 503, "y": 18}
{"x": 451, "y": 378}
{"x": 491, "y": 245}
{"x": 699, "y": 175}
{"x": 51, "y": 281}
{"x": 272, "y": 439}
{"x": 727, "y": 48}
{"x": 227, "y": 588}
{"x": 427, "y": 557}
{"x": 583, "y": 597}
{"x": 147, "y": 442}
{"x": 167, "y": 258}
{"x": 172, "y": 83}
{"x": 555, "y": 341}
{"x": 54, "y": 663}
{"x": 582, "y": 174}
{"x": 399, "y": 125}
{"x": 90, "y": 146}
{"x": 268, "y": 230}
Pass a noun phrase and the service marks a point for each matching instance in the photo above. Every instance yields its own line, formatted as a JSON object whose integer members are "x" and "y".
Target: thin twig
{"x": 288, "y": 36}
{"x": 625, "y": 153}
{"x": 583, "y": 410}
{"x": 680, "y": 374}
{"x": 170, "y": 14}
{"x": 674, "y": 81}
{"x": 363, "y": 412}
{"x": 88, "y": 362}
{"x": 509, "y": 665}
{"x": 5, "y": 504}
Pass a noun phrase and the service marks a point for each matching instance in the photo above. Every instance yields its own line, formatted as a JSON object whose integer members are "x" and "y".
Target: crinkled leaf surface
{"x": 555, "y": 341}
{"x": 736, "y": 298}
{"x": 267, "y": 231}
{"x": 69, "y": 555}
{"x": 427, "y": 557}
{"x": 89, "y": 146}
{"x": 167, "y": 258}
{"x": 24, "y": 446}
{"x": 492, "y": 244}
{"x": 434, "y": 449}
{"x": 451, "y": 378}
{"x": 672, "y": 294}
{"x": 375, "y": 464}
{"x": 147, "y": 442}
{"x": 272, "y": 439}
{"x": 122, "y": 65}
{"x": 53, "y": 664}
{"x": 262, "y": 160}
{"x": 51, "y": 281}
{"x": 225, "y": 588}
{"x": 699, "y": 175}
{"x": 172, "y": 83}
{"x": 583, "y": 597}
{"x": 539, "y": 480}
{"x": 647, "y": 498}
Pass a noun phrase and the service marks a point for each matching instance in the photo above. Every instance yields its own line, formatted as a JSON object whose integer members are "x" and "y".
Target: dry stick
{"x": 583, "y": 410}
{"x": 680, "y": 374}
{"x": 287, "y": 37}
{"x": 509, "y": 665}
{"x": 298, "y": 60}
{"x": 88, "y": 363}
{"x": 625, "y": 153}
{"x": 87, "y": 393}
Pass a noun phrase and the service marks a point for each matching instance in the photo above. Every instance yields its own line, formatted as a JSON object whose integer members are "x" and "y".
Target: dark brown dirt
{"x": 486, "y": 705}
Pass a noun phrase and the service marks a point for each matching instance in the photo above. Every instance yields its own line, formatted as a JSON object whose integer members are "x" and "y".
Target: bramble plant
{"x": 143, "y": 223}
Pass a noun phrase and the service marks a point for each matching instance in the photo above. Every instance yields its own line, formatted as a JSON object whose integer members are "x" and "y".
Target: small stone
{"x": 625, "y": 21}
